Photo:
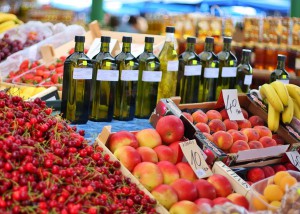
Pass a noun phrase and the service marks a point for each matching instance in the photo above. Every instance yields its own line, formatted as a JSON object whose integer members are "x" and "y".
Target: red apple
{"x": 186, "y": 207}
{"x": 278, "y": 139}
{"x": 239, "y": 199}
{"x": 165, "y": 195}
{"x": 186, "y": 171}
{"x": 290, "y": 166}
{"x": 122, "y": 138}
{"x": 170, "y": 128}
{"x": 165, "y": 153}
{"x": 147, "y": 154}
{"x": 128, "y": 156}
{"x": 169, "y": 171}
{"x": 210, "y": 156}
{"x": 221, "y": 200}
{"x": 201, "y": 201}
{"x": 185, "y": 189}
{"x": 222, "y": 185}
{"x": 178, "y": 154}
{"x": 205, "y": 189}
{"x": 149, "y": 138}
{"x": 279, "y": 168}
{"x": 255, "y": 174}
{"x": 269, "y": 171}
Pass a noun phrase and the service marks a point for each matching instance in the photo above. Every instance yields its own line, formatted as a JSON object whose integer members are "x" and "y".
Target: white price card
{"x": 130, "y": 75}
{"x": 232, "y": 105}
{"x": 82, "y": 73}
{"x": 228, "y": 72}
{"x": 194, "y": 156}
{"x": 248, "y": 80}
{"x": 192, "y": 70}
{"x": 294, "y": 158}
{"x": 151, "y": 76}
{"x": 211, "y": 72}
{"x": 173, "y": 65}
{"x": 108, "y": 75}
{"x": 297, "y": 63}
{"x": 284, "y": 81}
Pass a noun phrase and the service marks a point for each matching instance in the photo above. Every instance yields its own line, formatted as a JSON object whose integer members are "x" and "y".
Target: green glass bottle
{"x": 244, "y": 73}
{"x": 280, "y": 73}
{"x": 149, "y": 78}
{"x": 127, "y": 64}
{"x": 189, "y": 72}
{"x": 210, "y": 72}
{"x": 169, "y": 66}
{"x": 105, "y": 79}
{"x": 227, "y": 67}
{"x": 77, "y": 85}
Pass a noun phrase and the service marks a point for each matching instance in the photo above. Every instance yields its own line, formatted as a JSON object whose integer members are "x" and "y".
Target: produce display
{"x": 48, "y": 167}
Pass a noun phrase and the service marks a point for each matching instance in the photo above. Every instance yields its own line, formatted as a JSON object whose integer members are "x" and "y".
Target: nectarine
{"x": 170, "y": 128}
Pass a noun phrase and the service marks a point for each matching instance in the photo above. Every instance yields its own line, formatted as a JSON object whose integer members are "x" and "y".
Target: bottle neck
{"x": 79, "y": 47}
{"x": 126, "y": 47}
{"x": 227, "y": 47}
{"x": 148, "y": 47}
{"x": 280, "y": 64}
{"x": 190, "y": 47}
{"x": 209, "y": 47}
{"x": 104, "y": 47}
{"x": 170, "y": 37}
{"x": 245, "y": 59}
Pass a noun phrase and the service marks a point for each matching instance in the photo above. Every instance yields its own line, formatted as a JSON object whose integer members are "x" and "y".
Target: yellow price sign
{"x": 152, "y": 65}
{"x": 213, "y": 64}
{"x": 108, "y": 64}
{"x": 131, "y": 63}
{"x": 84, "y": 62}
{"x": 231, "y": 62}
{"x": 194, "y": 62}
{"x": 284, "y": 77}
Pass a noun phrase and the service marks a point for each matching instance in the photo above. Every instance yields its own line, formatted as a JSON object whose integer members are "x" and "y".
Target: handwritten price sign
{"x": 195, "y": 157}
{"x": 294, "y": 158}
{"x": 232, "y": 104}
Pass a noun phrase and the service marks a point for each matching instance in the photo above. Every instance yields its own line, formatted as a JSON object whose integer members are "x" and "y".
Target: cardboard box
{"x": 101, "y": 140}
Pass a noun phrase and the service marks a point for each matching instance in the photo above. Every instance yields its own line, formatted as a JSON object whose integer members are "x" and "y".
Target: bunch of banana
{"x": 25, "y": 92}
{"x": 8, "y": 21}
{"x": 283, "y": 103}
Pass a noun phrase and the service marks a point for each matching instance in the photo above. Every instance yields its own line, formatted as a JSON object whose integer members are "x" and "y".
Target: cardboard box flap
{"x": 48, "y": 53}
{"x": 104, "y": 135}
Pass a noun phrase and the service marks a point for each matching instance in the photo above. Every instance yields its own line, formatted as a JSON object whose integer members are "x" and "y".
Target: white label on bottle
{"x": 297, "y": 64}
{"x": 192, "y": 70}
{"x": 130, "y": 75}
{"x": 108, "y": 75}
{"x": 211, "y": 72}
{"x": 151, "y": 76}
{"x": 248, "y": 80}
{"x": 228, "y": 72}
{"x": 82, "y": 73}
{"x": 285, "y": 81}
{"x": 173, "y": 65}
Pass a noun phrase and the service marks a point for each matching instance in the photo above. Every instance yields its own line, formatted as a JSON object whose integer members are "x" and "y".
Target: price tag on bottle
{"x": 173, "y": 65}
{"x": 248, "y": 80}
{"x": 194, "y": 155}
{"x": 228, "y": 72}
{"x": 151, "y": 76}
{"x": 129, "y": 75}
{"x": 192, "y": 70}
{"x": 82, "y": 73}
{"x": 211, "y": 72}
{"x": 297, "y": 63}
{"x": 108, "y": 75}
{"x": 294, "y": 158}
{"x": 232, "y": 105}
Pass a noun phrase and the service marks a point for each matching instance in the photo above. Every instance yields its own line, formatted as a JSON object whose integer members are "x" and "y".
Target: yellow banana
{"x": 296, "y": 110}
{"x": 7, "y": 25}
{"x": 288, "y": 112}
{"x": 273, "y": 118}
{"x": 294, "y": 92}
{"x": 267, "y": 91}
{"x": 7, "y": 17}
{"x": 281, "y": 91}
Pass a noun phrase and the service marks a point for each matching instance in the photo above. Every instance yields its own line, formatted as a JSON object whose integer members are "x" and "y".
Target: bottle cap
{"x": 170, "y": 29}
{"x": 127, "y": 39}
{"x": 209, "y": 40}
{"x": 79, "y": 39}
{"x": 281, "y": 57}
{"x": 227, "y": 39}
{"x": 191, "y": 40}
{"x": 105, "y": 39}
{"x": 149, "y": 39}
{"x": 246, "y": 52}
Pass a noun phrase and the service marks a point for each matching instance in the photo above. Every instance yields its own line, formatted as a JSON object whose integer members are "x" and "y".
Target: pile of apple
{"x": 233, "y": 136}
{"x": 155, "y": 158}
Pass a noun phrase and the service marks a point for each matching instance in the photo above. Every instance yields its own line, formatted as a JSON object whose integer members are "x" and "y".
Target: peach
{"x": 279, "y": 167}
{"x": 201, "y": 201}
{"x": 210, "y": 156}
{"x": 255, "y": 174}
{"x": 149, "y": 138}
{"x": 122, "y": 138}
{"x": 278, "y": 139}
{"x": 263, "y": 131}
{"x": 238, "y": 135}
{"x": 224, "y": 114}
{"x": 251, "y": 133}
{"x": 199, "y": 117}
{"x": 223, "y": 140}
{"x": 267, "y": 142}
{"x": 221, "y": 200}
{"x": 254, "y": 144}
{"x": 239, "y": 199}
{"x": 148, "y": 174}
{"x": 222, "y": 185}
{"x": 186, "y": 207}
{"x": 186, "y": 171}
{"x": 178, "y": 155}
{"x": 230, "y": 124}
{"x": 216, "y": 125}
{"x": 169, "y": 171}
{"x": 213, "y": 114}
{"x": 185, "y": 189}
{"x": 170, "y": 129}
{"x": 239, "y": 145}
{"x": 269, "y": 171}
{"x": 205, "y": 189}
{"x": 290, "y": 166}
{"x": 165, "y": 153}
{"x": 256, "y": 121}
{"x": 245, "y": 113}
{"x": 147, "y": 154}
{"x": 165, "y": 195}
{"x": 203, "y": 127}
{"x": 128, "y": 156}
{"x": 188, "y": 116}
{"x": 244, "y": 124}
{"x": 208, "y": 136}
